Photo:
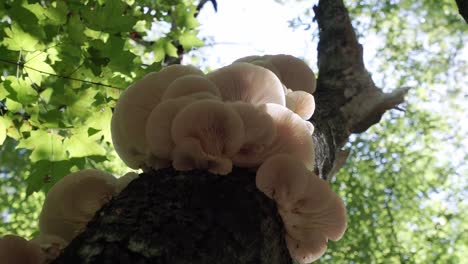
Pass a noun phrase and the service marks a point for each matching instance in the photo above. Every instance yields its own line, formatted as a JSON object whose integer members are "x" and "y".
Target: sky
{"x": 244, "y": 27}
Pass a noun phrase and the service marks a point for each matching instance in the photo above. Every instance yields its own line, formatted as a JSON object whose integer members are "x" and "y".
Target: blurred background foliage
{"x": 405, "y": 183}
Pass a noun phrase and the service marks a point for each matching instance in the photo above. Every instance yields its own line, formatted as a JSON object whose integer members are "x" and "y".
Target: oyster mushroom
{"x": 133, "y": 108}
{"x": 73, "y": 201}
{"x": 260, "y": 131}
{"x": 248, "y": 83}
{"x": 213, "y": 128}
{"x": 194, "y": 85}
{"x": 159, "y": 125}
{"x": 284, "y": 179}
{"x": 15, "y": 249}
{"x": 301, "y": 103}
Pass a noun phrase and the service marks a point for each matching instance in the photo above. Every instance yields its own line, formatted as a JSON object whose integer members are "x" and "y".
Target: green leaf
{"x": 11, "y": 129}
{"x": 17, "y": 39}
{"x": 189, "y": 40}
{"x": 45, "y": 145}
{"x": 171, "y": 50}
{"x": 75, "y": 29}
{"x": 2, "y": 130}
{"x": 159, "y": 51}
{"x": 82, "y": 100}
{"x": 36, "y": 60}
{"x": 13, "y": 106}
{"x": 100, "y": 120}
{"x": 20, "y": 90}
{"x": 57, "y": 15}
{"x": 81, "y": 145}
{"x": 46, "y": 173}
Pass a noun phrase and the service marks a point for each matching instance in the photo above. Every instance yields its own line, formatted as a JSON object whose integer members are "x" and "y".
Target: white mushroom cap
{"x": 73, "y": 200}
{"x": 260, "y": 61}
{"x": 306, "y": 252}
{"x": 301, "y": 103}
{"x": 248, "y": 83}
{"x": 133, "y": 108}
{"x": 294, "y": 72}
{"x": 292, "y": 136}
{"x": 216, "y": 126}
{"x": 15, "y": 249}
{"x": 284, "y": 179}
{"x": 189, "y": 155}
{"x": 320, "y": 209}
{"x": 191, "y": 85}
{"x": 260, "y": 131}
{"x": 159, "y": 125}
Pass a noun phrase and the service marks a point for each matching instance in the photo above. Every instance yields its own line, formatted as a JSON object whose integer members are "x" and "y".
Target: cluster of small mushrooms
{"x": 251, "y": 114}
{"x": 69, "y": 205}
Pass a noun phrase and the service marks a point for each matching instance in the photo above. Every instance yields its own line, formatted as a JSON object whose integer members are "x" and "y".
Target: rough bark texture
{"x": 196, "y": 217}
{"x": 184, "y": 217}
{"x": 347, "y": 99}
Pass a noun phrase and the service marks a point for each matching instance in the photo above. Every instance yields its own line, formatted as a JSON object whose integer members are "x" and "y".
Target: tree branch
{"x": 347, "y": 99}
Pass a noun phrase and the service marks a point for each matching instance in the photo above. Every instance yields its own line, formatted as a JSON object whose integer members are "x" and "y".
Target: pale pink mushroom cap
{"x": 260, "y": 61}
{"x": 216, "y": 126}
{"x": 292, "y": 136}
{"x": 301, "y": 103}
{"x": 260, "y": 131}
{"x": 293, "y": 72}
{"x": 284, "y": 179}
{"x": 73, "y": 201}
{"x": 133, "y": 108}
{"x": 189, "y": 155}
{"x": 159, "y": 125}
{"x": 306, "y": 252}
{"x": 248, "y": 83}
{"x": 15, "y": 249}
{"x": 191, "y": 85}
{"x": 321, "y": 208}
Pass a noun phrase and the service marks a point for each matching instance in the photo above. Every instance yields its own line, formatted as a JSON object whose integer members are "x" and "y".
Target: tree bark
{"x": 463, "y": 9}
{"x": 167, "y": 216}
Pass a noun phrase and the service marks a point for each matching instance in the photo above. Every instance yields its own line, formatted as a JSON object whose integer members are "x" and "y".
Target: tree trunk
{"x": 167, "y": 216}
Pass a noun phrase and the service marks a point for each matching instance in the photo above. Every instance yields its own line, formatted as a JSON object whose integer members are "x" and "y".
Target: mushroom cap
{"x": 320, "y": 209}
{"x": 133, "y": 108}
{"x": 15, "y": 249}
{"x": 51, "y": 245}
{"x": 217, "y": 127}
{"x": 260, "y": 131}
{"x": 292, "y": 136}
{"x": 260, "y": 61}
{"x": 159, "y": 124}
{"x": 248, "y": 83}
{"x": 284, "y": 179}
{"x": 191, "y": 85}
{"x": 301, "y": 103}
{"x": 189, "y": 155}
{"x": 294, "y": 72}
{"x": 306, "y": 252}
{"x": 73, "y": 200}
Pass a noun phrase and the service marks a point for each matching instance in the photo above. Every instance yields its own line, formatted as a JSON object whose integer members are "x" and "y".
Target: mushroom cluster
{"x": 252, "y": 114}
{"x": 69, "y": 205}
